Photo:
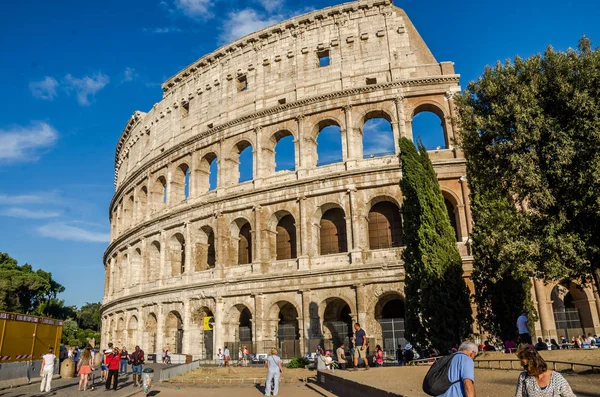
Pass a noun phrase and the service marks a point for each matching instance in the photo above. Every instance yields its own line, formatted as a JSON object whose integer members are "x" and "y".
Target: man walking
{"x": 227, "y": 357}
{"x": 360, "y": 346}
{"x": 137, "y": 360}
{"x": 47, "y": 370}
{"x": 461, "y": 372}
{"x": 523, "y": 326}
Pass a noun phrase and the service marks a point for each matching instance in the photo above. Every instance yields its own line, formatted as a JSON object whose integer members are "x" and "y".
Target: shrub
{"x": 298, "y": 362}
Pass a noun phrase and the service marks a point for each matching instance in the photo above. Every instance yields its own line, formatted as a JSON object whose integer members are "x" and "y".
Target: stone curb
{"x": 18, "y": 382}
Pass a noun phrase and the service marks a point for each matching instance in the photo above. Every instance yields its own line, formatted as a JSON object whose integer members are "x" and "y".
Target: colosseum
{"x": 218, "y": 241}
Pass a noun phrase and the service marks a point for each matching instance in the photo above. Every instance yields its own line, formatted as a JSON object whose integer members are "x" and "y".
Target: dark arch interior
{"x": 286, "y": 238}
{"x": 245, "y": 329}
{"x": 385, "y": 226}
{"x": 333, "y": 232}
{"x": 245, "y": 244}
{"x": 393, "y": 309}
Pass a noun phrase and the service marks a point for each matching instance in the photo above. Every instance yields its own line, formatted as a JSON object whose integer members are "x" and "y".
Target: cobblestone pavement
{"x": 68, "y": 388}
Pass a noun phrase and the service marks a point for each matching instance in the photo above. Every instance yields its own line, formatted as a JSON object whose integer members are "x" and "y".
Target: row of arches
{"x": 326, "y": 144}
{"x": 384, "y": 231}
{"x": 330, "y": 324}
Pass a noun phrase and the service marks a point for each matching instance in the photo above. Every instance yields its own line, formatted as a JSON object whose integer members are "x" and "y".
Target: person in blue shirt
{"x": 462, "y": 371}
{"x": 360, "y": 346}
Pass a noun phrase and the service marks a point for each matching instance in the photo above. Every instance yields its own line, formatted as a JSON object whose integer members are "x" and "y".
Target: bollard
{"x": 67, "y": 368}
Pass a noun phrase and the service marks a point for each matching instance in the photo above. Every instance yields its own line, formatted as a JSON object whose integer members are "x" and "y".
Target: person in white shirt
{"x": 47, "y": 370}
{"x": 523, "y": 326}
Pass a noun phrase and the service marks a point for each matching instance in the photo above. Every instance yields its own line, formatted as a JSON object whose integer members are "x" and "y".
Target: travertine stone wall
{"x": 174, "y": 259}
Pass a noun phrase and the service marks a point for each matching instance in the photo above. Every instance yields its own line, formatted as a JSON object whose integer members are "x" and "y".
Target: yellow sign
{"x": 209, "y": 322}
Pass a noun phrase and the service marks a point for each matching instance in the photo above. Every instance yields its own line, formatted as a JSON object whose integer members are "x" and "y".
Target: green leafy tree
{"x": 69, "y": 331}
{"x": 56, "y": 308}
{"x": 438, "y": 307}
{"x": 88, "y": 316}
{"x": 530, "y": 130}
{"x": 22, "y": 289}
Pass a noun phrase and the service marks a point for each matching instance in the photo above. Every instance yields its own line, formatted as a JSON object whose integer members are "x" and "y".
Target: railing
{"x": 551, "y": 364}
{"x": 171, "y": 372}
{"x": 429, "y": 360}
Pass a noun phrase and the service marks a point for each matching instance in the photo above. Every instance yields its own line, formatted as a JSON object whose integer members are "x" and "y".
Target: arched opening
{"x": 128, "y": 211}
{"x": 132, "y": 332}
{"x": 207, "y": 171}
{"x": 288, "y": 332}
{"x": 174, "y": 333}
{"x": 285, "y": 158}
{"x": 332, "y": 233}
{"x": 329, "y": 143}
{"x": 245, "y": 327}
{"x": 385, "y": 226}
{"x": 177, "y": 254}
{"x": 428, "y": 125}
{"x": 378, "y": 138}
{"x": 150, "y": 328}
{"x": 245, "y": 244}
{"x": 142, "y": 203}
{"x": 205, "y": 249}
{"x": 245, "y": 162}
{"x": 153, "y": 266}
{"x": 337, "y": 323}
{"x": 121, "y": 332}
{"x": 571, "y": 307}
{"x": 180, "y": 184}
{"x": 201, "y": 336}
{"x": 390, "y": 313}
{"x": 286, "y": 238}
{"x": 159, "y": 193}
{"x": 136, "y": 267}
{"x": 453, "y": 216}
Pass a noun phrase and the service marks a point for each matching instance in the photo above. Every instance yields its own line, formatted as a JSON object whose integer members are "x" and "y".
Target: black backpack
{"x": 436, "y": 381}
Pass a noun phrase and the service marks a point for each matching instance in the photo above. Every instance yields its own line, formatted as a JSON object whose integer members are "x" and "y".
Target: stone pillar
{"x": 222, "y": 242}
{"x": 160, "y": 329}
{"x": 398, "y": 127}
{"x": 597, "y": 299}
{"x": 352, "y": 226}
{"x": 351, "y": 145}
{"x": 188, "y": 264}
{"x": 544, "y": 309}
{"x": 186, "y": 347}
{"x": 257, "y": 238}
{"x": 219, "y": 327}
{"x": 257, "y": 164}
{"x": 306, "y": 144}
{"x": 258, "y": 333}
{"x": 451, "y": 133}
{"x": 163, "y": 273}
{"x": 304, "y": 322}
{"x": 302, "y": 235}
{"x": 169, "y": 185}
{"x": 361, "y": 306}
{"x": 194, "y": 175}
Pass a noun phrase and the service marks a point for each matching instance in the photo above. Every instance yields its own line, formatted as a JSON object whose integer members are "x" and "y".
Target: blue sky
{"x": 73, "y": 72}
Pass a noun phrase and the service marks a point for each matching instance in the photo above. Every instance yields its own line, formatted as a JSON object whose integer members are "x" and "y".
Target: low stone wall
{"x": 21, "y": 373}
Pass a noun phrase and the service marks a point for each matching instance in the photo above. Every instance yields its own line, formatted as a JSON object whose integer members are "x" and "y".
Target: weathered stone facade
{"x": 304, "y": 251}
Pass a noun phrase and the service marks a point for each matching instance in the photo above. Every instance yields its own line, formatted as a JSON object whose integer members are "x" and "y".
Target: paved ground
{"x": 291, "y": 390}
{"x": 488, "y": 383}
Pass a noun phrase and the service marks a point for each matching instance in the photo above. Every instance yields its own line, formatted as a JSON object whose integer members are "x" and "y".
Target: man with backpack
{"x": 137, "y": 360}
{"x": 453, "y": 375}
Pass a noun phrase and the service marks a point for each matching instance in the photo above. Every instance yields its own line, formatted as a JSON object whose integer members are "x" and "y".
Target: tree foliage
{"x": 438, "y": 309}
{"x": 22, "y": 289}
{"x": 530, "y": 130}
{"x": 88, "y": 316}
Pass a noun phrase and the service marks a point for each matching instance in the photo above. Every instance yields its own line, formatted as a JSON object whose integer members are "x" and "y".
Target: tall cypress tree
{"x": 438, "y": 309}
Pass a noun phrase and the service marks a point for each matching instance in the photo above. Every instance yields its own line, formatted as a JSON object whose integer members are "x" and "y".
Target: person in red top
{"x": 113, "y": 360}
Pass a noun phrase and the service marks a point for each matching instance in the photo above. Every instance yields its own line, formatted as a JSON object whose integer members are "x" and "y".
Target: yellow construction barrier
{"x": 24, "y": 337}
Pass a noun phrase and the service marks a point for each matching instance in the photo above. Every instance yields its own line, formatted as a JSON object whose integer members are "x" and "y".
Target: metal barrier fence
{"x": 555, "y": 365}
{"x": 171, "y": 372}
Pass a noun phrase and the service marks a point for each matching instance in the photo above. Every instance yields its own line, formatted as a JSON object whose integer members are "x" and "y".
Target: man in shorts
{"x": 137, "y": 361}
{"x": 360, "y": 346}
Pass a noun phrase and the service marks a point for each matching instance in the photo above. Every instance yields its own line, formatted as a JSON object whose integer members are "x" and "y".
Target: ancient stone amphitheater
{"x": 292, "y": 256}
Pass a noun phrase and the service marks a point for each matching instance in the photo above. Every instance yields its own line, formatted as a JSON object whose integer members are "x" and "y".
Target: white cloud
{"x": 85, "y": 87}
{"x": 28, "y": 214}
{"x": 129, "y": 75}
{"x": 194, "y": 8}
{"x": 271, "y": 5}
{"x": 241, "y": 23}
{"x": 65, "y": 231}
{"x": 20, "y": 144}
{"x": 45, "y": 89}
{"x": 162, "y": 30}
{"x": 51, "y": 197}
{"x": 378, "y": 137}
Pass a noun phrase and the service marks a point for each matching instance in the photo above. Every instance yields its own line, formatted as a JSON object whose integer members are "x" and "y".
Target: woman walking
{"x": 274, "y": 371}
{"x": 84, "y": 368}
{"x": 537, "y": 380}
